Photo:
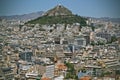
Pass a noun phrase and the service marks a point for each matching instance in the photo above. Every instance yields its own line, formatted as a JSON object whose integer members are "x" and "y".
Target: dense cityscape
{"x": 59, "y": 51}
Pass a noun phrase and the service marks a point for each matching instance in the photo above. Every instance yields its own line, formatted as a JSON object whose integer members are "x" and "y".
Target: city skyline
{"x": 90, "y": 8}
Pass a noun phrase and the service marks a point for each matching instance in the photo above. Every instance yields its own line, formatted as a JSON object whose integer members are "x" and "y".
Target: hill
{"x": 59, "y": 14}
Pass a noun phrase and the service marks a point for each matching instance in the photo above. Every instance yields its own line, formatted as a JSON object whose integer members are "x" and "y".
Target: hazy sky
{"x": 93, "y": 8}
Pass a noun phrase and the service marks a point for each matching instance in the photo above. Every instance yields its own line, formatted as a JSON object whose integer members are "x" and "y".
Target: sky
{"x": 89, "y": 8}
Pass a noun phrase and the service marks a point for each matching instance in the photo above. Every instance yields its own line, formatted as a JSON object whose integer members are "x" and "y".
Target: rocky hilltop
{"x": 59, "y": 10}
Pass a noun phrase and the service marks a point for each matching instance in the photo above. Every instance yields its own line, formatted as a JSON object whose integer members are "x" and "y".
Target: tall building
{"x": 27, "y": 56}
{"x": 50, "y": 71}
{"x": 87, "y": 38}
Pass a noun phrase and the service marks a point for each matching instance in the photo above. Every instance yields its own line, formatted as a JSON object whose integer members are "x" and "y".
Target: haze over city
{"x": 91, "y": 8}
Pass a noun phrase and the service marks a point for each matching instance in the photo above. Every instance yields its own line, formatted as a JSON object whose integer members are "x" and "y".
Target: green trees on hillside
{"x": 59, "y": 20}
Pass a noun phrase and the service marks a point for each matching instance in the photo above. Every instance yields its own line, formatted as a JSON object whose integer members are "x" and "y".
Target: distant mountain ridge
{"x": 28, "y": 16}
{"x": 107, "y": 19}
